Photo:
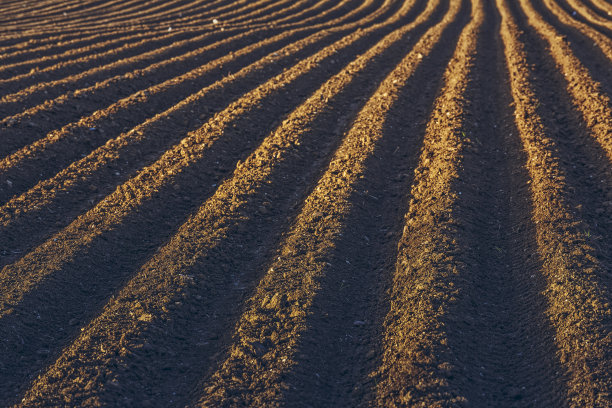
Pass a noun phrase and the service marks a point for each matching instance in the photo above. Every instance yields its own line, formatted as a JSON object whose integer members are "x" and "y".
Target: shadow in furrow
{"x": 46, "y": 317}
{"x": 498, "y": 329}
{"x": 82, "y": 139}
{"x": 84, "y": 195}
{"x": 584, "y": 162}
{"x": 342, "y": 344}
{"x": 590, "y": 55}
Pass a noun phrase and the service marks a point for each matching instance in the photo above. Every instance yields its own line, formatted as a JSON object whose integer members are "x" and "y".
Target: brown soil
{"x": 305, "y": 203}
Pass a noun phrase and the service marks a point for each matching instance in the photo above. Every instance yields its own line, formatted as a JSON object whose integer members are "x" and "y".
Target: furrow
{"x": 80, "y": 43}
{"x": 587, "y": 95}
{"x": 59, "y": 12}
{"x": 600, "y": 40}
{"x": 168, "y": 46}
{"x": 146, "y": 17}
{"x": 466, "y": 325}
{"x": 129, "y": 12}
{"x": 266, "y": 335}
{"x": 293, "y": 143}
{"x": 51, "y": 44}
{"x": 603, "y": 6}
{"x": 341, "y": 345}
{"x": 129, "y": 196}
{"x": 36, "y": 36}
{"x": 67, "y": 101}
{"x": 68, "y": 73}
{"x": 270, "y": 16}
{"x": 590, "y": 16}
{"x": 48, "y": 89}
{"x": 67, "y": 92}
{"x": 137, "y": 8}
{"x": 578, "y": 305}
{"x": 420, "y": 364}
{"x": 46, "y": 156}
{"x": 24, "y": 7}
{"x": 120, "y": 112}
{"x": 74, "y": 54}
{"x": 223, "y": 9}
{"x": 60, "y": 19}
{"x": 305, "y": 203}
{"x": 112, "y": 156}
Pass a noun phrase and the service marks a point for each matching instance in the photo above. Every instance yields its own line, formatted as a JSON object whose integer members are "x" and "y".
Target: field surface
{"x": 305, "y": 203}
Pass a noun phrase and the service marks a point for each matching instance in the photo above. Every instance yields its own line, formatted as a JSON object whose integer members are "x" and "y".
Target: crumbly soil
{"x": 307, "y": 203}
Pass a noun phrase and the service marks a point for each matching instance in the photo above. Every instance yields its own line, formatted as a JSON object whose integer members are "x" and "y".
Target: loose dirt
{"x": 305, "y": 203}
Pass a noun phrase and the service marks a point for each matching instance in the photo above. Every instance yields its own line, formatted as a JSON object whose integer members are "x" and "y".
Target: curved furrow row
{"x": 590, "y": 16}
{"x": 58, "y": 77}
{"x": 466, "y": 324}
{"x": 92, "y": 53}
{"x": 35, "y": 37}
{"x": 250, "y": 12}
{"x": 220, "y": 213}
{"x": 22, "y": 40}
{"x": 198, "y": 153}
{"x": 195, "y": 21}
{"x": 604, "y": 6}
{"x": 595, "y": 58}
{"x": 126, "y": 12}
{"x": 29, "y": 124}
{"x": 305, "y": 203}
{"x": 72, "y": 135}
{"x": 91, "y": 43}
{"x": 586, "y": 93}
{"x": 54, "y": 6}
{"x": 64, "y": 9}
{"x": 576, "y": 287}
{"x": 9, "y": 69}
{"x": 32, "y": 92}
{"x": 31, "y": 37}
{"x": 268, "y": 332}
{"x": 602, "y": 41}
{"x": 23, "y": 8}
{"x": 66, "y": 16}
{"x": 51, "y": 45}
{"x": 94, "y": 43}
{"x": 340, "y": 346}
{"x": 155, "y": 15}
{"x": 16, "y": 88}
{"x": 187, "y": 151}
{"x": 147, "y": 9}
{"x": 228, "y": 11}
{"x": 419, "y": 364}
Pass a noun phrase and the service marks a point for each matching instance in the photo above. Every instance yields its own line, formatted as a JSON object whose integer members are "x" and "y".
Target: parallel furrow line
{"x": 267, "y": 334}
{"x": 148, "y": 181}
{"x": 72, "y": 132}
{"x": 587, "y": 96}
{"x": 604, "y": 6}
{"x": 74, "y": 55}
{"x": 418, "y": 364}
{"x": 578, "y": 307}
{"x": 589, "y": 15}
{"x": 139, "y": 8}
{"x": 602, "y": 41}
{"x": 167, "y": 44}
{"x": 257, "y": 167}
{"x": 147, "y": 17}
{"x": 87, "y": 92}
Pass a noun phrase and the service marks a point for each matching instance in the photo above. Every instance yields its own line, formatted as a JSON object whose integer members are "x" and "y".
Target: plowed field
{"x": 306, "y": 203}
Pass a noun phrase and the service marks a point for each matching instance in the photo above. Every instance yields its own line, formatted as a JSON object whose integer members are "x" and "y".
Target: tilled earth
{"x": 305, "y": 203}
